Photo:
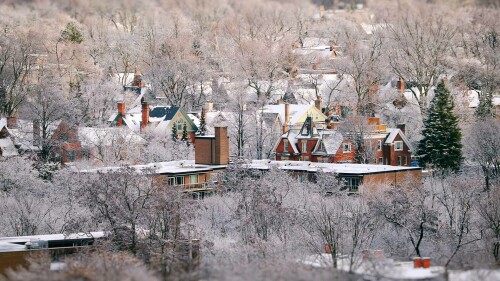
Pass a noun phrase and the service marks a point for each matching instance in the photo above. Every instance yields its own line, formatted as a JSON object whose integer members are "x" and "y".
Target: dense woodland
{"x": 56, "y": 60}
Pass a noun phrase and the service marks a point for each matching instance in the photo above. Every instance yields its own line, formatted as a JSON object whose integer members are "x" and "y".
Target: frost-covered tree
{"x": 441, "y": 144}
{"x": 202, "y": 129}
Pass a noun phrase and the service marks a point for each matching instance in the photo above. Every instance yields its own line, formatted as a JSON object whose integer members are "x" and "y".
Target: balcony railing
{"x": 197, "y": 186}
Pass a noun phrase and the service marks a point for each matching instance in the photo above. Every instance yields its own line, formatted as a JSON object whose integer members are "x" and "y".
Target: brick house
{"x": 72, "y": 143}
{"x": 385, "y": 146}
{"x": 198, "y": 177}
{"x": 158, "y": 118}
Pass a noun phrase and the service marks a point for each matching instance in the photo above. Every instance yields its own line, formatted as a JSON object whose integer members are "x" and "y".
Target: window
{"x": 399, "y": 160}
{"x": 180, "y": 125}
{"x": 175, "y": 180}
{"x": 284, "y": 158}
{"x": 398, "y": 145}
{"x": 285, "y": 145}
{"x": 347, "y": 147}
{"x": 304, "y": 146}
{"x": 387, "y": 161}
{"x": 171, "y": 181}
{"x": 352, "y": 183}
{"x": 381, "y": 160}
{"x": 379, "y": 145}
{"x": 179, "y": 180}
{"x": 306, "y": 158}
{"x": 405, "y": 160}
{"x": 302, "y": 177}
{"x": 193, "y": 179}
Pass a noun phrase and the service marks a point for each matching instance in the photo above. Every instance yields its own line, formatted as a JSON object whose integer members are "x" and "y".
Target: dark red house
{"x": 382, "y": 145}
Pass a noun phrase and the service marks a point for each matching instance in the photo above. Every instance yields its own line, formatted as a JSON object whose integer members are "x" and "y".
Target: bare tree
{"x": 419, "y": 48}
{"x": 483, "y": 148}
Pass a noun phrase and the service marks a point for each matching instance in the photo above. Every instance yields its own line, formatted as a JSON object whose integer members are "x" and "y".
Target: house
{"x": 294, "y": 115}
{"x": 159, "y": 119}
{"x": 198, "y": 177}
{"x": 383, "y": 146}
{"x": 72, "y": 143}
{"x": 17, "y": 251}
{"x": 354, "y": 176}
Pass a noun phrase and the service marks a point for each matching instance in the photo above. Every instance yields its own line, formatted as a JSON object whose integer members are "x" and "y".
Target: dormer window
{"x": 304, "y": 146}
{"x": 398, "y": 146}
{"x": 285, "y": 145}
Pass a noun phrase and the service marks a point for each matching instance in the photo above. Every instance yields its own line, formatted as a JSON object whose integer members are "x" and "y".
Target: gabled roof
{"x": 308, "y": 130}
{"x": 296, "y": 111}
{"x": 331, "y": 141}
{"x": 22, "y": 135}
{"x": 393, "y": 133}
{"x": 291, "y": 136}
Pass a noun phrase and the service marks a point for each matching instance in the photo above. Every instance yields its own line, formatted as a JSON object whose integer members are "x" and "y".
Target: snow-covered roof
{"x": 474, "y": 99}
{"x": 338, "y": 168}
{"x": 12, "y": 244}
{"x": 22, "y": 135}
{"x": 296, "y": 111}
{"x": 393, "y": 133}
{"x": 7, "y": 147}
{"x": 107, "y": 136}
{"x": 331, "y": 141}
{"x": 171, "y": 167}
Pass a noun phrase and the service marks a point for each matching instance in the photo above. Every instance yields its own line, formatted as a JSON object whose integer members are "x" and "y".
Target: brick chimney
{"x": 213, "y": 150}
{"x": 402, "y": 127}
{"x": 137, "y": 82}
{"x": 287, "y": 118}
{"x": 145, "y": 115}
{"x": 11, "y": 122}
{"x": 401, "y": 85}
{"x": 318, "y": 103}
{"x": 121, "y": 113}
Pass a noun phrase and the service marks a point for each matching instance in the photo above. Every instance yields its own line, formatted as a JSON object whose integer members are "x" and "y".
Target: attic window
{"x": 180, "y": 125}
{"x": 398, "y": 146}
{"x": 285, "y": 145}
{"x": 347, "y": 147}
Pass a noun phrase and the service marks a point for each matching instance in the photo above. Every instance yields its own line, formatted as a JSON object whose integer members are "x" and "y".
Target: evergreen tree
{"x": 202, "y": 130}
{"x": 441, "y": 144}
{"x": 175, "y": 137}
{"x": 185, "y": 137}
{"x": 485, "y": 108}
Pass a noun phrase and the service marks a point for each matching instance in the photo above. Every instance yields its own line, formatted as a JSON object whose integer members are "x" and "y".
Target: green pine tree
{"x": 202, "y": 130}
{"x": 441, "y": 144}
{"x": 72, "y": 34}
{"x": 175, "y": 137}
{"x": 485, "y": 108}
{"x": 185, "y": 137}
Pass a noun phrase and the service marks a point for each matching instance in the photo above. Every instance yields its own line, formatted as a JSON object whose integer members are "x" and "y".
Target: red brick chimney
{"x": 287, "y": 117}
{"x": 318, "y": 103}
{"x": 121, "y": 113}
{"x": 137, "y": 82}
{"x": 145, "y": 115}
{"x": 11, "y": 122}
{"x": 401, "y": 85}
